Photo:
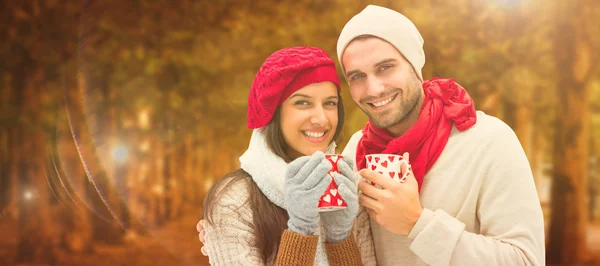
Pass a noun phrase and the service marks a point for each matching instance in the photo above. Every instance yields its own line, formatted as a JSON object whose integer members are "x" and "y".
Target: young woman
{"x": 266, "y": 212}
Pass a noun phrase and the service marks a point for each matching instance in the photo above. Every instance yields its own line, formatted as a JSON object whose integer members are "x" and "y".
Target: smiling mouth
{"x": 383, "y": 102}
{"x": 314, "y": 135}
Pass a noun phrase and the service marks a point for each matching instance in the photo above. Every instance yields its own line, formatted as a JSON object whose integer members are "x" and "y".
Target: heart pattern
{"x": 388, "y": 165}
{"x": 333, "y": 192}
{"x": 331, "y": 198}
{"x": 334, "y": 158}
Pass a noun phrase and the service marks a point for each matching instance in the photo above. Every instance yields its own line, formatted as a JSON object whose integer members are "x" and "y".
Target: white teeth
{"x": 313, "y": 134}
{"x": 382, "y": 103}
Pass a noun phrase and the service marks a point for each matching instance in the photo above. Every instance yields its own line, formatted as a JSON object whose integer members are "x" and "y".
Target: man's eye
{"x": 357, "y": 76}
{"x": 384, "y": 67}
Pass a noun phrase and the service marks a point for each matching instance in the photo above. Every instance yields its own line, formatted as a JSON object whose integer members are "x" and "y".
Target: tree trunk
{"x": 189, "y": 184}
{"x": 78, "y": 236}
{"x": 525, "y": 129}
{"x": 97, "y": 155}
{"x": 13, "y": 153}
{"x": 5, "y": 148}
{"x": 15, "y": 172}
{"x": 176, "y": 188}
{"x": 135, "y": 187}
{"x": 157, "y": 208}
{"x": 166, "y": 182}
{"x": 593, "y": 182}
{"x": 567, "y": 243}
{"x": 36, "y": 243}
{"x": 509, "y": 112}
{"x": 113, "y": 156}
{"x": 200, "y": 172}
{"x": 537, "y": 160}
{"x": 5, "y": 101}
{"x": 145, "y": 212}
{"x": 160, "y": 185}
{"x": 4, "y": 177}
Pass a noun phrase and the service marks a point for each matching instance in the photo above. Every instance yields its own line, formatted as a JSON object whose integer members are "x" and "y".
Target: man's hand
{"x": 395, "y": 206}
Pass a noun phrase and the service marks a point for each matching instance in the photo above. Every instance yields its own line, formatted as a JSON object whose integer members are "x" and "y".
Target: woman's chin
{"x": 310, "y": 152}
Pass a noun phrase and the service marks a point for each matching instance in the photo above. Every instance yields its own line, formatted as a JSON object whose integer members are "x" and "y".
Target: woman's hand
{"x": 306, "y": 179}
{"x": 338, "y": 224}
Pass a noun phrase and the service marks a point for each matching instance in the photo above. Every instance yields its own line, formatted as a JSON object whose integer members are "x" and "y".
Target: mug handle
{"x": 408, "y": 171}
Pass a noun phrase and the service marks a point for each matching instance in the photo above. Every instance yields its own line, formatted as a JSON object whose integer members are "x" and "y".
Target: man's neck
{"x": 399, "y": 129}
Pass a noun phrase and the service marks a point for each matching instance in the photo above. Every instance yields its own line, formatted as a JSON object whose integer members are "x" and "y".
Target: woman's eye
{"x": 301, "y": 103}
{"x": 331, "y": 103}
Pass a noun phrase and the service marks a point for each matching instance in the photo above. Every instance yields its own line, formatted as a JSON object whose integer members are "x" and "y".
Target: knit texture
{"x": 266, "y": 168}
{"x": 481, "y": 205}
{"x": 284, "y": 72}
{"x": 344, "y": 253}
{"x": 231, "y": 240}
{"x": 390, "y": 26}
{"x": 268, "y": 172}
{"x": 306, "y": 178}
{"x": 291, "y": 244}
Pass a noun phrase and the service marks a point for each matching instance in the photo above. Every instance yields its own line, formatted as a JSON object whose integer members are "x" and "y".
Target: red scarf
{"x": 446, "y": 103}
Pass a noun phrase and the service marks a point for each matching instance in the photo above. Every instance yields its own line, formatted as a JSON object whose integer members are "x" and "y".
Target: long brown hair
{"x": 269, "y": 220}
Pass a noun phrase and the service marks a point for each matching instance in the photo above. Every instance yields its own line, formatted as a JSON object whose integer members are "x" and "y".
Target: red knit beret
{"x": 284, "y": 72}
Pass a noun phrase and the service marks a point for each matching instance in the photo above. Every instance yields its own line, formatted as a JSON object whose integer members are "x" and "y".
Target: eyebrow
{"x": 307, "y": 96}
{"x": 375, "y": 65}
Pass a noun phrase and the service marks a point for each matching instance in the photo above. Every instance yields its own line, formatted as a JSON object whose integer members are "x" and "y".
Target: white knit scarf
{"x": 268, "y": 171}
{"x": 266, "y": 168}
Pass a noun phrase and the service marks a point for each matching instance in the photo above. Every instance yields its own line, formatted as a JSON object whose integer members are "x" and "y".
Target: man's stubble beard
{"x": 400, "y": 114}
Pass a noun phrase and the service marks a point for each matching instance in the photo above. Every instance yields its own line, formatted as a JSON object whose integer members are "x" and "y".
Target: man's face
{"x": 382, "y": 82}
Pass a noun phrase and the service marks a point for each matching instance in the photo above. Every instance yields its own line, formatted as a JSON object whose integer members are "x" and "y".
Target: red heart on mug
{"x": 392, "y": 174}
{"x": 392, "y": 158}
{"x": 384, "y": 164}
{"x": 373, "y": 167}
{"x": 376, "y": 159}
{"x": 369, "y": 158}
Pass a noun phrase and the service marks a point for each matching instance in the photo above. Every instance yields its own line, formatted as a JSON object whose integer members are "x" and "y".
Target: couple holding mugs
{"x": 428, "y": 181}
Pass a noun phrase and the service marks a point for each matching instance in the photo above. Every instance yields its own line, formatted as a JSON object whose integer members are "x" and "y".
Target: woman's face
{"x": 309, "y": 118}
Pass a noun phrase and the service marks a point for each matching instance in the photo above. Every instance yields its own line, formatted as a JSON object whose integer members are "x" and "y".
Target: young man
{"x": 472, "y": 198}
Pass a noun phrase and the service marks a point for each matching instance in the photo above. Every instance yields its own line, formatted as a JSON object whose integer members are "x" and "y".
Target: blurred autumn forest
{"x": 117, "y": 116}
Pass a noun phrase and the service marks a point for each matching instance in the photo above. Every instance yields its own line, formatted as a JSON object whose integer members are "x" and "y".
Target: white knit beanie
{"x": 390, "y": 26}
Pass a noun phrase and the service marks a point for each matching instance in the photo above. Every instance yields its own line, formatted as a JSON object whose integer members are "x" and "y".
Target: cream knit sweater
{"x": 481, "y": 205}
